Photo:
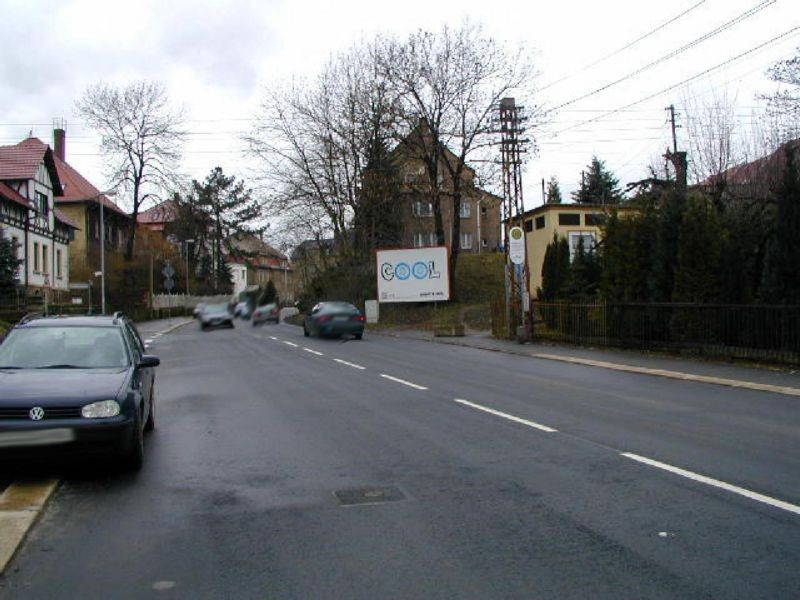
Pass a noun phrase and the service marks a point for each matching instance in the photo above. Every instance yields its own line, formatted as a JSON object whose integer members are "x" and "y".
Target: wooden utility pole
{"x": 671, "y": 109}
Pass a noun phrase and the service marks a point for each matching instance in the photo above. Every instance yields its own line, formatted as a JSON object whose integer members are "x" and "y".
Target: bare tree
{"x": 313, "y": 138}
{"x": 141, "y": 139}
{"x": 783, "y": 105}
{"x": 448, "y": 85}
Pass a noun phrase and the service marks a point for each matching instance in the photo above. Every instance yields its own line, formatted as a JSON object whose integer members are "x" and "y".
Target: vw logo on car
{"x": 36, "y": 413}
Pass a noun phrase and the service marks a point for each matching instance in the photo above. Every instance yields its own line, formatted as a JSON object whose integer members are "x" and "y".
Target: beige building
{"x": 574, "y": 222}
{"x": 480, "y": 210}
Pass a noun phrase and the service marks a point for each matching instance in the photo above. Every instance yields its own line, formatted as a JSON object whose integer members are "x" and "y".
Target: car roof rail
{"x": 30, "y": 317}
{"x": 117, "y": 315}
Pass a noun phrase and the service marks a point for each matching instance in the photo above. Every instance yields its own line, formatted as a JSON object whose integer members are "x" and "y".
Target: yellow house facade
{"x": 574, "y": 222}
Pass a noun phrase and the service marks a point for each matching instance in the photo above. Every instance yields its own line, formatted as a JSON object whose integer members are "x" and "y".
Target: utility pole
{"x": 544, "y": 195}
{"x": 671, "y": 109}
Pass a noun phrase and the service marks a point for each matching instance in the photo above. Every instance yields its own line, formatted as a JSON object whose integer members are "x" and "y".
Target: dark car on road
{"x": 334, "y": 319}
{"x": 268, "y": 312}
{"x": 216, "y": 315}
{"x": 76, "y": 385}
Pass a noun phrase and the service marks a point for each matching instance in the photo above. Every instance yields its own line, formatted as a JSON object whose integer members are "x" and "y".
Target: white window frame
{"x": 465, "y": 210}
{"x": 574, "y": 236}
{"x": 466, "y": 240}
{"x": 36, "y": 257}
{"x": 59, "y": 269}
{"x": 418, "y": 212}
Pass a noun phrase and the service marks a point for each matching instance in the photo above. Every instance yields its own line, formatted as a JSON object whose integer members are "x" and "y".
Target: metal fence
{"x": 755, "y": 332}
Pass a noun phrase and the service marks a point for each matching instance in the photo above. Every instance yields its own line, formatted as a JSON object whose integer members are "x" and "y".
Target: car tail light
{"x": 359, "y": 318}
{"x": 323, "y": 319}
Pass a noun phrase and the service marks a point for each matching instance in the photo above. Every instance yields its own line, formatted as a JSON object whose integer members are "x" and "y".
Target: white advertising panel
{"x": 414, "y": 275}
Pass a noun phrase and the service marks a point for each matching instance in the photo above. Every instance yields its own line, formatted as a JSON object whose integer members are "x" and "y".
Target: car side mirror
{"x": 148, "y": 360}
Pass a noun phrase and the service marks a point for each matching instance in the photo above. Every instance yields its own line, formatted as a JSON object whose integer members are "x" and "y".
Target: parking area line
{"x": 503, "y": 415}
{"x": 404, "y": 382}
{"x": 793, "y": 508}
{"x": 349, "y": 364}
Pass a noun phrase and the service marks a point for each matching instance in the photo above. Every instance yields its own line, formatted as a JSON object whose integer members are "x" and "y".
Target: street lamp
{"x": 99, "y": 198}
{"x": 187, "y": 265}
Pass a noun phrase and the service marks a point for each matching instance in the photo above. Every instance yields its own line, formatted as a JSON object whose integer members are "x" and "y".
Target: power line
{"x": 625, "y": 47}
{"x": 685, "y": 81}
{"x": 714, "y": 32}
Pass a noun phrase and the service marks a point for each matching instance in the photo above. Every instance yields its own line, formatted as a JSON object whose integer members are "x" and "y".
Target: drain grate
{"x": 369, "y": 495}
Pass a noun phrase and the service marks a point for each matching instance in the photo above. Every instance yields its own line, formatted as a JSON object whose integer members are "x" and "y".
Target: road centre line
{"x": 292, "y": 344}
{"x": 404, "y": 382}
{"x": 497, "y": 413}
{"x": 272, "y": 337}
{"x": 715, "y": 483}
{"x": 349, "y": 364}
{"x": 313, "y": 351}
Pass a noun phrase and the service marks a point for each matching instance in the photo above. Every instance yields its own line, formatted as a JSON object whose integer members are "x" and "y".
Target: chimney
{"x": 60, "y": 143}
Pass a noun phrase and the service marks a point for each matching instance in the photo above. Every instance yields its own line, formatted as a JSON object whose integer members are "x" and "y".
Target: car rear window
{"x": 64, "y": 347}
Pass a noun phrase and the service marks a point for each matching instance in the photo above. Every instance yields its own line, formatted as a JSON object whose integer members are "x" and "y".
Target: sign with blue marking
{"x": 414, "y": 275}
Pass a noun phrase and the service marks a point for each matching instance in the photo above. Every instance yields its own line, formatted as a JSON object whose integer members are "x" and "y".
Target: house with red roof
{"x": 80, "y": 201}
{"x": 29, "y": 185}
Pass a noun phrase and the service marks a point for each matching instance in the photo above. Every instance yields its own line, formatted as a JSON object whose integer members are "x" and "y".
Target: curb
{"x": 21, "y": 505}
{"x": 735, "y": 383}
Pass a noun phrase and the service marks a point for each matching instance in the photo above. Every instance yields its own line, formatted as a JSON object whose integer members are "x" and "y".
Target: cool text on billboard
{"x": 414, "y": 275}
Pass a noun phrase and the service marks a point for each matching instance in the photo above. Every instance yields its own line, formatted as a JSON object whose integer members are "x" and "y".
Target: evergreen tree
{"x": 269, "y": 295}
{"x": 9, "y": 263}
{"x": 666, "y": 213}
{"x": 555, "y": 269}
{"x": 781, "y": 275}
{"x": 378, "y": 220}
{"x": 598, "y": 186}
{"x": 627, "y": 249}
{"x": 231, "y": 211}
{"x": 553, "y": 194}
{"x": 583, "y": 277}
{"x": 697, "y": 275}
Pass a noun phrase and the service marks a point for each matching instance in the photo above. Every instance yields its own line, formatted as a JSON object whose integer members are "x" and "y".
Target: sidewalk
{"x": 783, "y": 381}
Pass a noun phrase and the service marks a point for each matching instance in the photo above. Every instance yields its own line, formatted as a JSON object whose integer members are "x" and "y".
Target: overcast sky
{"x": 215, "y": 57}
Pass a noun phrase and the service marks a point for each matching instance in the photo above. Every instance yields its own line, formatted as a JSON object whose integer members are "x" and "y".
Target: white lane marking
{"x": 404, "y": 382}
{"x": 349, "y": 364}
{"x": 715, "y": 483}
{"x": 272, "y": 337}
{"x": 497, "y": 413}
{"x": 292, "y": 344}
{"x": 313, "y": 351}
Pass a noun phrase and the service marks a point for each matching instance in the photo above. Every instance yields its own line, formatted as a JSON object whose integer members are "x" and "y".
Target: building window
{"x": 45, "y": 264}
{"x": 575, "y": 239}
{"x": 35, "y": 257}
{"x": 484, "y": 243}
{"x": 465, "y": 211}
{"x": 594, "y": 219}
{"x": 423, "y": 209}
{"x": 529, "y": 225}
{"x": 569, "y": 218}
{"x": 59, "y": 271}
{"x": 42, "y": 205}
{"x": 483, "y": 210}
{"x": 466, "y": 240}
{"x": 540, "y": 222}
{"x": 422, "y": 240}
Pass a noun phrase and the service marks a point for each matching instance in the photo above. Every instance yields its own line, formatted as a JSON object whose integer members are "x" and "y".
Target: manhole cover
{"x": 369, "y": 495}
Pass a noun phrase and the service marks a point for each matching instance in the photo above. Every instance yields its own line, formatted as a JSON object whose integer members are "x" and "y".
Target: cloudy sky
{"x": 215, "y": 57}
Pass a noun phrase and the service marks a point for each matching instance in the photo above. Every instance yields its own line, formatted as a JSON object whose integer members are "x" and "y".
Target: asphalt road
{"x": 583, "y": 483}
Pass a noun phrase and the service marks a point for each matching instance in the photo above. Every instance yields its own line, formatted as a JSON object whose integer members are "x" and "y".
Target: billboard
{"x": 413, "y": 275}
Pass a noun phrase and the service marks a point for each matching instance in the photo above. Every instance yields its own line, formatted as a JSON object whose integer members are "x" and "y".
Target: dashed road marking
{"x": 272, "y": 337}
{"x": 313, "y": 351}
{"x": 715, "y": 483}
{"x": 497, "y": 413}
{"x": 349, "y": 364}
{"x": 292, "y": 344}
{"x": 404, "y": 382}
